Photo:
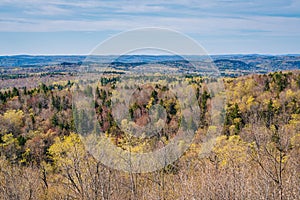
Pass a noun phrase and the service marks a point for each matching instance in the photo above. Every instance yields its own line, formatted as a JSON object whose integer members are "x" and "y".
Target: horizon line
{"x": 218, "y": 54}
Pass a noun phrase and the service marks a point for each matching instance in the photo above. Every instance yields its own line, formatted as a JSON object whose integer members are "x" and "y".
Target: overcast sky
{"x": 220, "y": 26}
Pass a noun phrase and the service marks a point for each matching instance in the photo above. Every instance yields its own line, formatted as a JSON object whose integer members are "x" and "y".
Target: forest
{"x": 255, "y": 154}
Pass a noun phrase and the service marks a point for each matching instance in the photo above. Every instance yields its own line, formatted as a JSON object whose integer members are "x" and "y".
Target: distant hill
{"x": 232, "y": 65}
{"x": 27, "y": 60}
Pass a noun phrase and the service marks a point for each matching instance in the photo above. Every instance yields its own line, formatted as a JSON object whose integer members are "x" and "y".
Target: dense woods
{"x": 255, "y": 156}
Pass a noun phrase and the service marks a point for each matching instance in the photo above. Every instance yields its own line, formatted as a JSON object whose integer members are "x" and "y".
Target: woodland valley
{"x": 255, "y": 146}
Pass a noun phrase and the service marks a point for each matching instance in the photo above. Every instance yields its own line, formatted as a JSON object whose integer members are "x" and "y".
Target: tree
{"x": 80, "y": 175}
{"x": 12, "y": 121}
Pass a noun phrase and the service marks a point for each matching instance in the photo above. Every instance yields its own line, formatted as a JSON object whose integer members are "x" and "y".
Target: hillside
{"x": 255, "y": 152}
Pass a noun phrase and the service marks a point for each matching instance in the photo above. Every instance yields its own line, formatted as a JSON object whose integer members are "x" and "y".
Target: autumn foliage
{"x": 255, "y": 156}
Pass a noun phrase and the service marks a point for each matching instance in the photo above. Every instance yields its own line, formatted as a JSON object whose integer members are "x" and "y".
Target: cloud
{"x": 213, "y": 26}
{"x": 175, "y": 7}
{"x": 202, "y": 17}
{"x": 47, "y": 10}
{"x": 226, "y": 25}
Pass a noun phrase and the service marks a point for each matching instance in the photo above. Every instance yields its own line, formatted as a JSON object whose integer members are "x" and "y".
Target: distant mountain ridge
{"x": 223, "y": 62}
{"x": 23, "y": 60}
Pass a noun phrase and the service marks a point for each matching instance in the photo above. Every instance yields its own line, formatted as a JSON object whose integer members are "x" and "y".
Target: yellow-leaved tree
{"x": 230, "y": 151}
{"x": 80, "y": 176}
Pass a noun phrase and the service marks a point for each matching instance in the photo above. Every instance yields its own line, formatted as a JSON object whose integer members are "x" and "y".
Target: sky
{"x": 40, "y": 27}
